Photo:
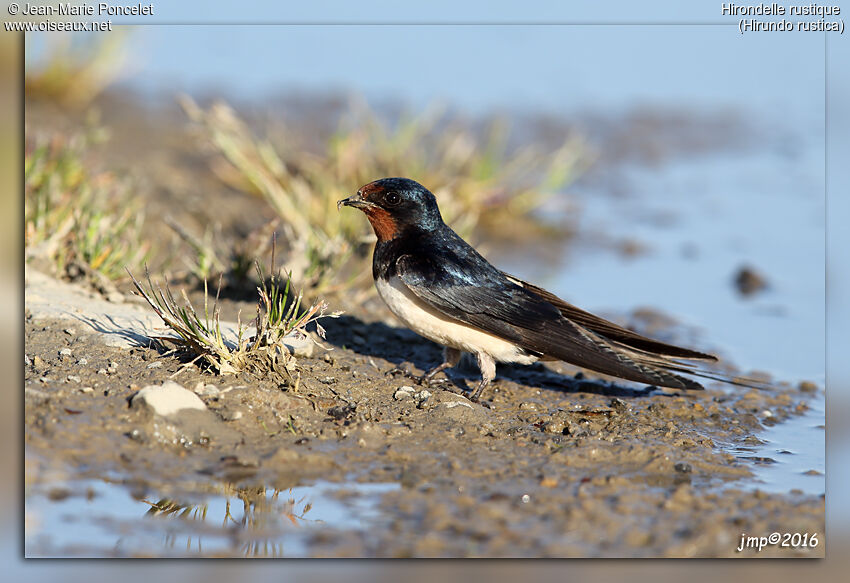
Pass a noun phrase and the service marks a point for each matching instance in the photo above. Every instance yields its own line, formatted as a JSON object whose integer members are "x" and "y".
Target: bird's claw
{"x": 398, "y": 370}
{"x": 430, "y": 381}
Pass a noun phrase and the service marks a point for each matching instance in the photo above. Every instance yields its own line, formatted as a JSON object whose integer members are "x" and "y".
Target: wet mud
{"x": 553, "y": 463}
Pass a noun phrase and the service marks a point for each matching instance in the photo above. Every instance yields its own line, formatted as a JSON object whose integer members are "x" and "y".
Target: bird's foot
{"x": 428, "y": 378}
{"x": 476, "y": 394}
{"x": 403, "y": 370}
{"x": 431, "y": 381}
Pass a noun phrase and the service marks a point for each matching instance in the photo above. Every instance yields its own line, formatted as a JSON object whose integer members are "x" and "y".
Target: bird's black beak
{"x": 356, "y": 200}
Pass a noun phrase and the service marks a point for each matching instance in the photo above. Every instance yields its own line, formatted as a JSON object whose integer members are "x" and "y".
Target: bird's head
{"x": 396, "y": 205}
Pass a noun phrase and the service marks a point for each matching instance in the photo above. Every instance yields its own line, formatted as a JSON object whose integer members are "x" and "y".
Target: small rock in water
{"x": 167, "y": 399}
{"x": 749, "y": 281}
{"x": 807, "y": 387}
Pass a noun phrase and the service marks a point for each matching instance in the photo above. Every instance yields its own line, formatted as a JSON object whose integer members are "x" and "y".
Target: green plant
{"x": 279, "y": 315}
{"x": 73, "y": 214}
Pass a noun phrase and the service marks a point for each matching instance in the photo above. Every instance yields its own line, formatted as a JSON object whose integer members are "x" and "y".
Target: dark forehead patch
{"x": 372, "y": 188}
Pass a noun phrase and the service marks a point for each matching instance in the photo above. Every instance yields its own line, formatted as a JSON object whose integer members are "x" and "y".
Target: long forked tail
{"x": 673, "y": 366}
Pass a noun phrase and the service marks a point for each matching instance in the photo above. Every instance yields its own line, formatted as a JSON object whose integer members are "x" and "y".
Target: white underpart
{"x": 436, "y": 326}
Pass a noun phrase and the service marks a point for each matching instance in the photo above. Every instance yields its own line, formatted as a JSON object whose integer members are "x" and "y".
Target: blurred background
{"x": 692, "y": 157}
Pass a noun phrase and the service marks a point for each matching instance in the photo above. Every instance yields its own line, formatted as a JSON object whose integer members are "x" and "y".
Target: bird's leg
{"x": 488, "y": 373}
{"x": 451, "y": 356}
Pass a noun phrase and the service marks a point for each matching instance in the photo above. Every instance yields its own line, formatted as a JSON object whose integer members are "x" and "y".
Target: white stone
{"x": 402, "y": 393}
{"x": 300, "y": 346}
{"x": 205, "y": 390}
{"x": 167, "y": 399}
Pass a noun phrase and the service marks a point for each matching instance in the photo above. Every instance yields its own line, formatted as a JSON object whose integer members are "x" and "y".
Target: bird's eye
{"x": 392, "y": 198}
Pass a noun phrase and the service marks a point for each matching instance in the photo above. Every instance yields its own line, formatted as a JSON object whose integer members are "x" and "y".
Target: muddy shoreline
{"x": 557, "y": 464}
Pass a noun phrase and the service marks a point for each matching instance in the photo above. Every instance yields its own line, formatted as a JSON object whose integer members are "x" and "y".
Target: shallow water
{"x": 796, "y": 451}
{"x": 95, "y": 518}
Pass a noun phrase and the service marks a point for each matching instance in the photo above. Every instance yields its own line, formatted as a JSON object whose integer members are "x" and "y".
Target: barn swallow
{"x": 443, "y": 289}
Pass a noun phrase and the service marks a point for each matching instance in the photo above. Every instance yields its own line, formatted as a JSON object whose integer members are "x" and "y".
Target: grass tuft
{"x": 74, "y": 215}
{"x": 280, "y": 316}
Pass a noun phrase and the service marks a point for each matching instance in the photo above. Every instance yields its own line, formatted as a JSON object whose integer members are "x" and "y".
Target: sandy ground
{"x": 552, "y": 464}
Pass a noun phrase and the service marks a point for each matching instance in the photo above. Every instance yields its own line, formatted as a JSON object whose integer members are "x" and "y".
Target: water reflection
{"x": 94, "y": 519}
{"x": 255, "y": 523}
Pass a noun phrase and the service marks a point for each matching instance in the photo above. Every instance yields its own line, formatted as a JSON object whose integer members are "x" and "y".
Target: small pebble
{"x": 27, "y": 360}
{"x": 65, "y": 352}
{"x": 683, "y": 468}
{"x": 168, "y": 399}
{"x": 549, "y": 482}
{"x": 526, "y": 498}
{"x": 804, "y": 386}
{"x": 71, "y": 378}
{"x": 82, "y": 362}
{"x": 749, "y": 281}
{"x": 404, "y": 393}
{"x": 136, "y": 435}
{"x": 205, "y": 390}
{"x": 422, "y": 399}
{"x": 157, "y": 364}
{"x": 231, "y": 415}
{"x": 101, "y": 371}
{"x": 70, "y": 331}
{"x": 37, "y": 361}
{"x": 87, "y": 390}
